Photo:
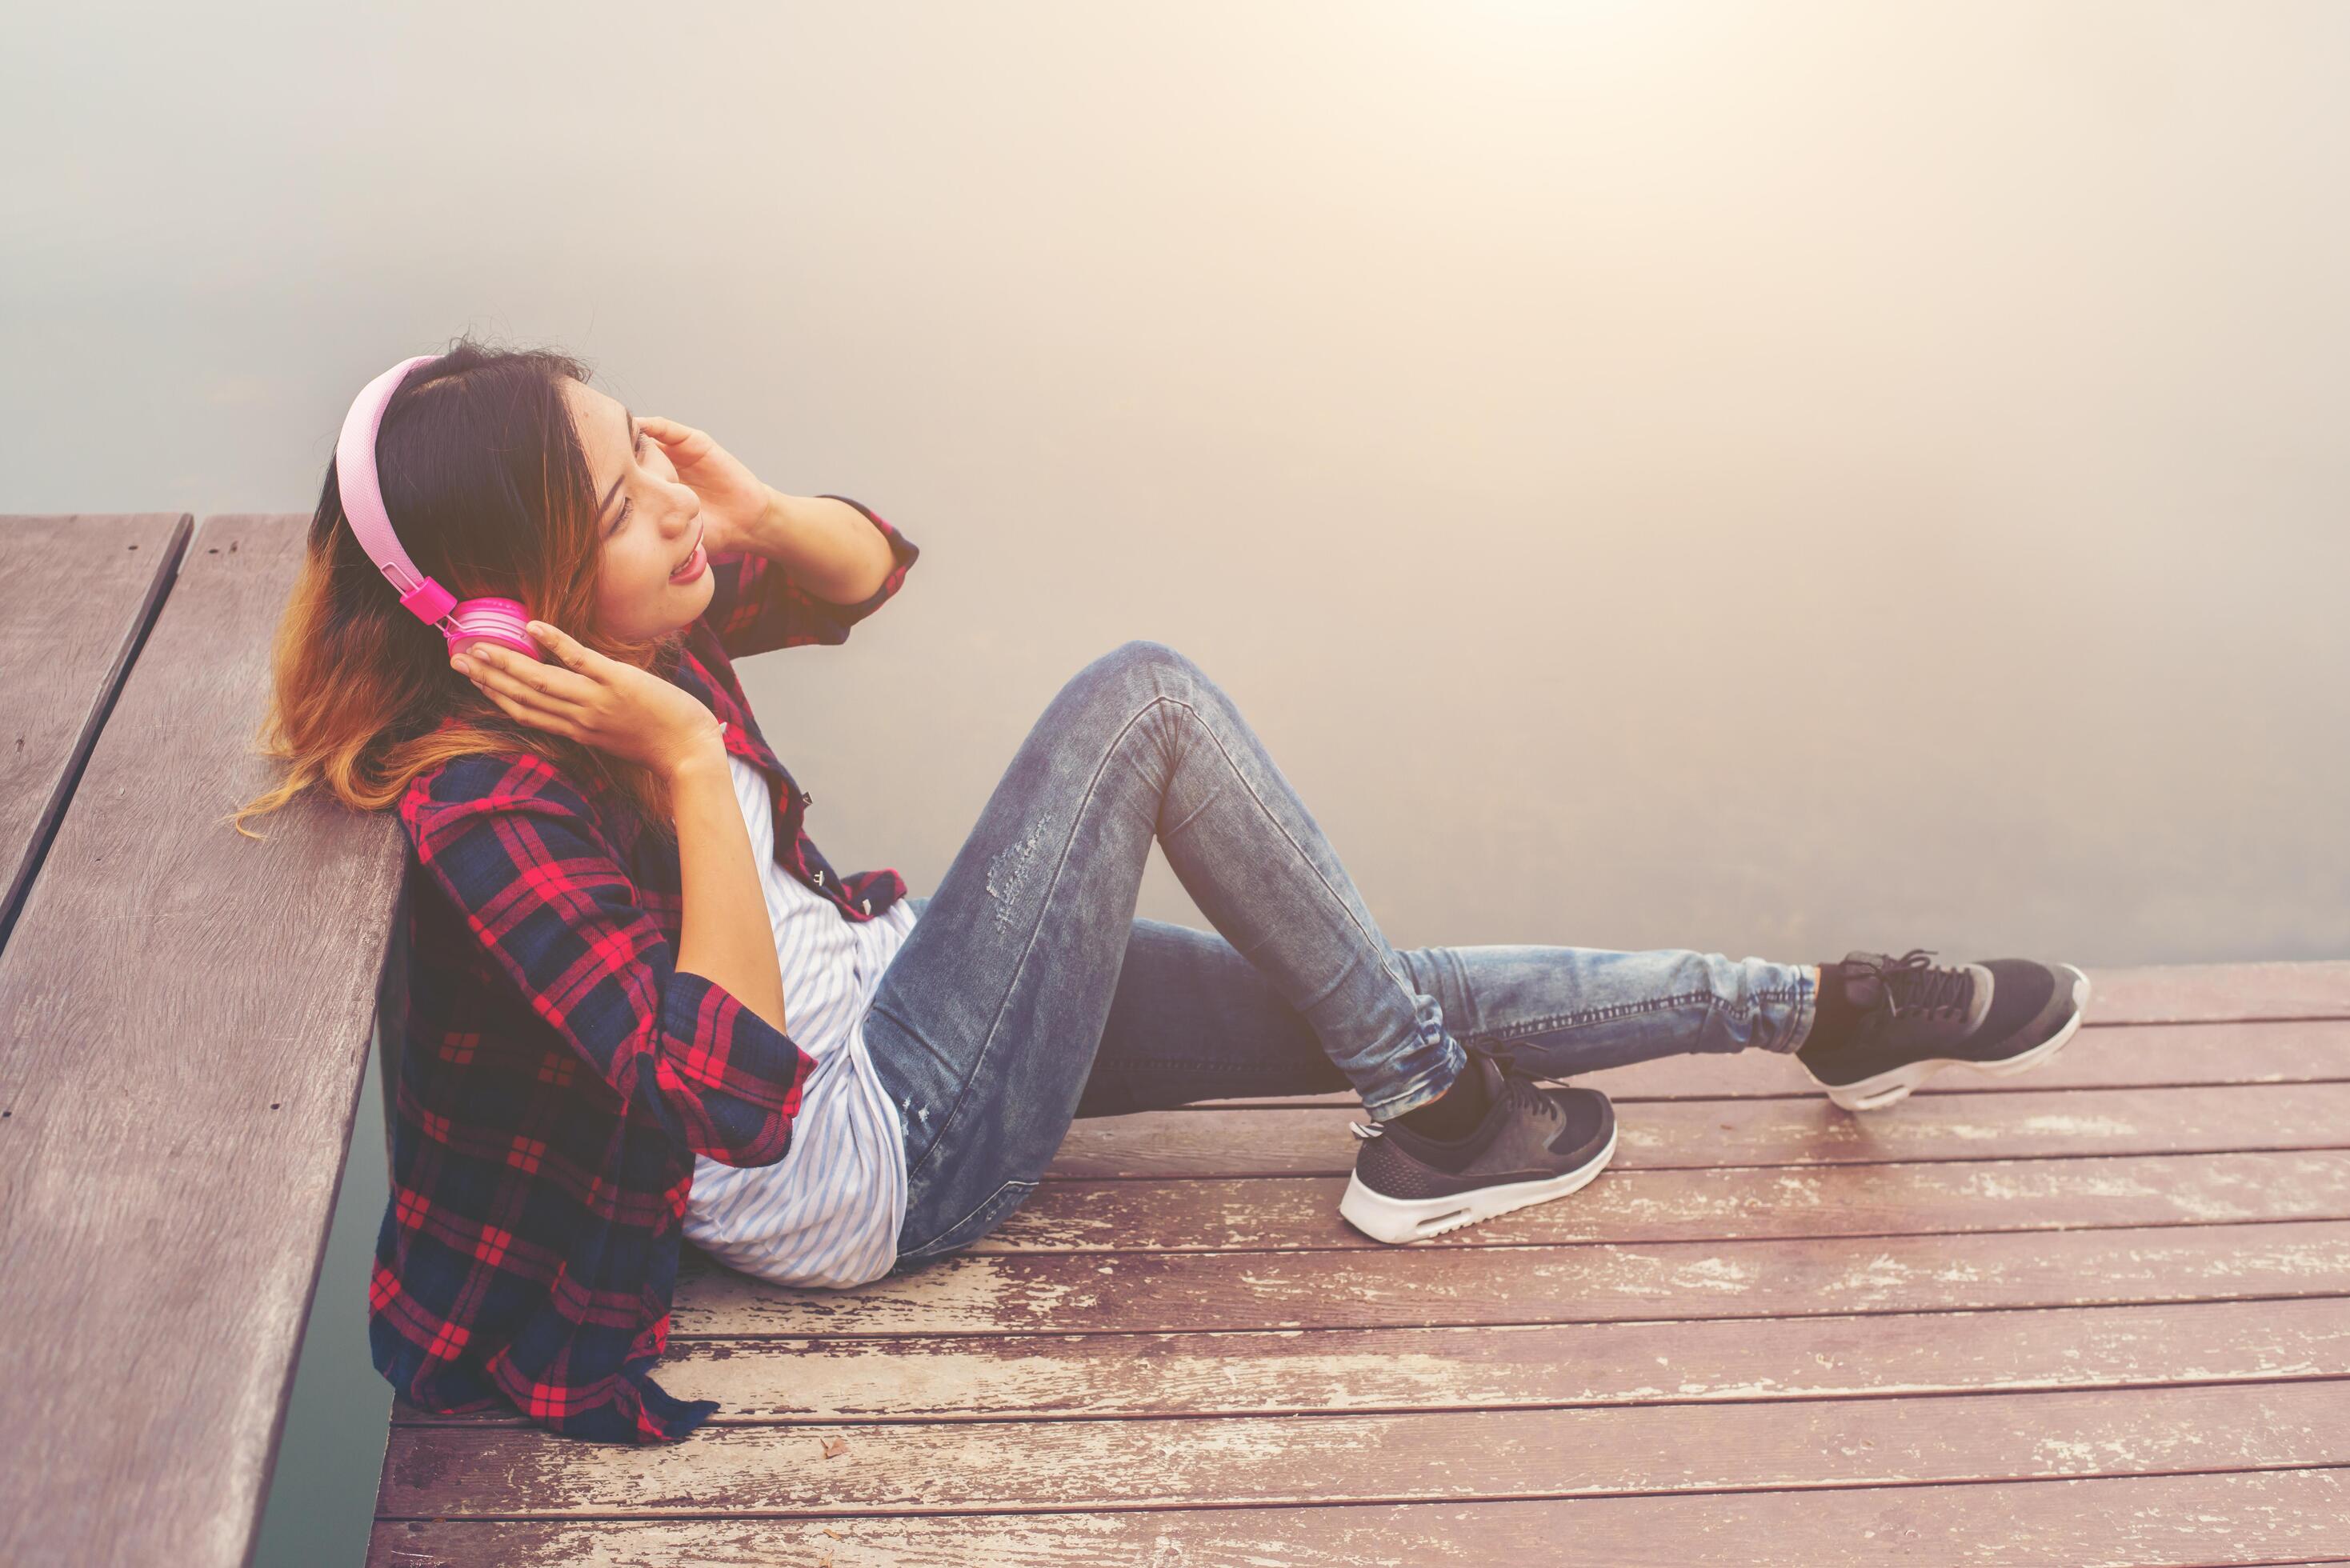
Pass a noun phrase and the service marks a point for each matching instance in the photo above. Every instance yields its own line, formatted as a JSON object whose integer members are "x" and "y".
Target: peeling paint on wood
{"x": 989, "y": 1466}
{"x": 2115, "y": 1308}
{"x": 1709, "y": 1134}
{"x": 1595, "y": 1284}
{"x": 2137, "y": 1522}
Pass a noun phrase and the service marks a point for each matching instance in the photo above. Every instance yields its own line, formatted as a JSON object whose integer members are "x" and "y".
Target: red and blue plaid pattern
{"x": 558, "y": 1073}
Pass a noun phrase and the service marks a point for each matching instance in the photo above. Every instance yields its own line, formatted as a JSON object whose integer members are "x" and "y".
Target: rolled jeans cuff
{"x": 1807, "y": 998}
{"x": 1426, "y": 1073}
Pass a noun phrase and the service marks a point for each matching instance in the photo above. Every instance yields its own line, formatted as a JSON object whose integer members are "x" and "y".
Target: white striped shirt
{"x": 827, "y": 1213}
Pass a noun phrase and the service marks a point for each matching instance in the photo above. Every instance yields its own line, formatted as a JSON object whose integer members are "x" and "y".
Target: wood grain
{"x": 995, "y": 1378}
{"x": 2209, "y": 993}
{"x": 184, "y": 1020}
{"x": 1420, "y": 1455}
{"x": 1697, "y": 1134}
{"x": 78, "y": 594}
{"x": 2102, "y": 1318}
{"x": 1932, "y": 1197}
{"x": 1158, "y": 1291}
{"x": 2151, "y": 1521}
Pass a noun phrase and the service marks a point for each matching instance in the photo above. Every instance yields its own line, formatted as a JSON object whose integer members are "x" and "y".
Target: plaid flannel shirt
{"x": 559, "y": 1075}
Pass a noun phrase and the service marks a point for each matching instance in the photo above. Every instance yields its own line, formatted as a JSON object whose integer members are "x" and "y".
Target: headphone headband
{"x": 499, "y": 620}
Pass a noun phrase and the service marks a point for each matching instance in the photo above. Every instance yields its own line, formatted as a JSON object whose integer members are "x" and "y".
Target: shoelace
{"x": 1914, "y": 986}
{"x": 1518, "y": 1091}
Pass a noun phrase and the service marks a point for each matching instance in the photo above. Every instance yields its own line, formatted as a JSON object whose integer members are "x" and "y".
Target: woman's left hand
{"x": 733, "y": 498}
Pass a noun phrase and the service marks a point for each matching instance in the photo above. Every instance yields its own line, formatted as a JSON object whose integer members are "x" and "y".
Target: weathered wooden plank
{"x": 1418, "y": 1455}
{"x": 2211, "y": 992}
{"x": 1704, "y": 1134}
{"x": 183, "y": 1022}
{"x": 1118, "y": 1309}
{"x": 1034, "y": 1377}
{"x": 1401, "y": 1286}
{"x": 2178, "y": 1522}
{"x": 1929, "y": 1198}
{"x": 2129, "y": 1056}
{"x": 77, "y": 593}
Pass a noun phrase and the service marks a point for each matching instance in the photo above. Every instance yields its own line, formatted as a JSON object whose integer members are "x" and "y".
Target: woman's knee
{"x": 1141, "y": 656}
{"x": 1134, "y": 673}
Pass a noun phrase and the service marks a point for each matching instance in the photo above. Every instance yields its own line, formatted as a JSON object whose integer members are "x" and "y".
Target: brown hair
{"x": 488, "y": 487}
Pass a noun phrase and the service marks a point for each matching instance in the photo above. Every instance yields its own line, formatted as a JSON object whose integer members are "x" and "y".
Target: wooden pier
{"x": 184, "y": 1015}
{"x": 2099, "y": 1312}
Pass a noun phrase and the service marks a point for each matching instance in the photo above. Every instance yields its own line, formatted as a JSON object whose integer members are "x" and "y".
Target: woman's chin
{"x": 677, "y": 607}
{"x": 695, "y": 592}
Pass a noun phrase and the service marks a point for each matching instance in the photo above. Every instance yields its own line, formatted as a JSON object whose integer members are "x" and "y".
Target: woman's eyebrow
{"x": 606, "y": 505}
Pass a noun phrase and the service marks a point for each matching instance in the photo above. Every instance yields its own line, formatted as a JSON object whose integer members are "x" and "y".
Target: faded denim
{"x": 1029, "y": 994}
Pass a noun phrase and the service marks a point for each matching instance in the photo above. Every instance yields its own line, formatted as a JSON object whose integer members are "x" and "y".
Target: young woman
{"x": 644, "y": 1007}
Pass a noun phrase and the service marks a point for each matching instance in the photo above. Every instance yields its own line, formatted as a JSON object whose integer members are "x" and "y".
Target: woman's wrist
{"x": 827, "y": 545}
{"x": 704, "y": 761}
{"x": 766, "y": 535}
{"x": 724, "y": 934}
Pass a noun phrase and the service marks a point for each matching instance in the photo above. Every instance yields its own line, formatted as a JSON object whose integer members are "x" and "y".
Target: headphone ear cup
{"x": 502, "y": 621}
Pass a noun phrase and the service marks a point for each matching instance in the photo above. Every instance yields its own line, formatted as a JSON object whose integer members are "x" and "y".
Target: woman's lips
{"x": 695, "y": 561}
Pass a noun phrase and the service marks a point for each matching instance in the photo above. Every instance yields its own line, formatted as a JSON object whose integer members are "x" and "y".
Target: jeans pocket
{"x": 976, "y": 1223}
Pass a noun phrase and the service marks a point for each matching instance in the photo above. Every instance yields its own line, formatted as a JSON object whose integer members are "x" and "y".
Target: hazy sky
{"x": 1768, "y": 477}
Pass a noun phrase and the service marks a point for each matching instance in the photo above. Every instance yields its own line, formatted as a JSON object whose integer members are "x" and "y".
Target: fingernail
{"x": 462, "y": 666}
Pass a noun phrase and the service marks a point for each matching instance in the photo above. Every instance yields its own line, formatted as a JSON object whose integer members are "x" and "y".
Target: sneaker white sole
{"x": 1384, "y": 1219}
{"x": 1889, "y": 1087}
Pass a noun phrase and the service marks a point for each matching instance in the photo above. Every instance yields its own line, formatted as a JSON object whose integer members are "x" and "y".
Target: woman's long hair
{"x": 488, "y": 487}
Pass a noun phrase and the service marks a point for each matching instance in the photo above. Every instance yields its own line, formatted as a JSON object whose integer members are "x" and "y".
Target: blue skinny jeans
{"x": 1029, "y": 994}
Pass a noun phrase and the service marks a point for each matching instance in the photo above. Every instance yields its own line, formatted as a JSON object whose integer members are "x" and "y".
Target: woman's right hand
{"x": 587, "y": 696}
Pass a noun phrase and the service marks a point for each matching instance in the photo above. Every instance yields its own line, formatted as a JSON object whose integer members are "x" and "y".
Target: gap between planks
{"x": 1599, "y": 1281}
{"x": 847, "y": 1381}
{"x": 1760, "y": 1133}
{"x": 2214, "y": 1521}
{"x": 1717, "y": 1204}
{"x": 1322, "y": 1459}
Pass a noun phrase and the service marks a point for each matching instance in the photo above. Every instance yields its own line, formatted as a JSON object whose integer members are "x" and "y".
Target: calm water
{"x": 1771, "y": 479}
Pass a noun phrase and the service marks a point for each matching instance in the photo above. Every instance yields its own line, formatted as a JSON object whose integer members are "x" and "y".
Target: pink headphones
{"x": 497, "y": 620}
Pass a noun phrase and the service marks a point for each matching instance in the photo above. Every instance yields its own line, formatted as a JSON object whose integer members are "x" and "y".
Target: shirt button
{"x": 819, "y": 879}
{"x": 867, "y": 905}
{"x": 806, "y": 799}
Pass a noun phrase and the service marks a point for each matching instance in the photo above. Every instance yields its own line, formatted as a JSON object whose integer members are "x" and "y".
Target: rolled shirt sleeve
{"x": 755, "y": 606}
{"x": 515, "y": 850}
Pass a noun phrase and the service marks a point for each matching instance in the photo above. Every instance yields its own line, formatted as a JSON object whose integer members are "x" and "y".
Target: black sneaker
{"x": 2000, "y": 1016}
{"x": 1533, "y": 1144}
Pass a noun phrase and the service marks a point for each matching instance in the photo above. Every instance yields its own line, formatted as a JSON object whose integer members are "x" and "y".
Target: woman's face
{"x": 648, "y": 523}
